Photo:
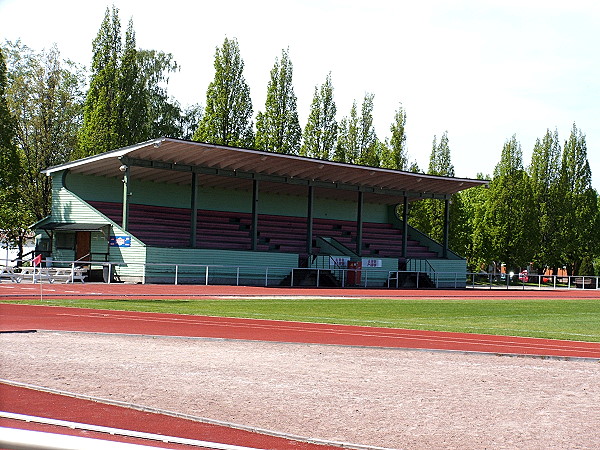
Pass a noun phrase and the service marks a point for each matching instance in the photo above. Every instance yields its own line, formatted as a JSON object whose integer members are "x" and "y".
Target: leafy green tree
{"x": 132, "y": 100}
{"x": 347, "y": 146}
{"x": 227, "y": 118}
{"x": 579, "y": 234}
{"x": 127, "y": 101}
{"x": 477, "y": 245}
{"x": 45, "y": 98}
{"x": 395, "y": 155}
{"x": 100, "y": 130}
{"x": 165, "y": 116}
{"x": 9, "y": 158}
{"x": 12, "y": 222}
{"x": 321, "y": 131}
{"x": 278, "y": 129}
{"x": 544, "y": 175}
{"x": 367, "y": 145}
{"x": 357, "y": 141}
{"x": 509, "y": 208}
{"x": 428, "y": 215}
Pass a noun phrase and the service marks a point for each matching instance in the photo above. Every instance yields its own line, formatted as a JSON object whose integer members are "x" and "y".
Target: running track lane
{"x": 30, "y": 317}
{"x": 10, "y": 291}
{"x": 32, "y": 402}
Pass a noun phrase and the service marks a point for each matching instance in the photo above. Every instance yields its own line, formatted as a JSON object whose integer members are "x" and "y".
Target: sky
{"x": 481, "y": 70}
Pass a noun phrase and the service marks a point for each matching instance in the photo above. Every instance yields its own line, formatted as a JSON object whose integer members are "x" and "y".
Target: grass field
{"x": 573, "y": 319}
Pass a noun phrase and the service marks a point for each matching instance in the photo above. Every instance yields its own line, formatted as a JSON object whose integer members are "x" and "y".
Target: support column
{"x": 126, "y": 173}
{"x": 405, "y": 229}
{"x": 446, "y": 227}
{"x": 194, "y": 211}
{"x": 254, "y": 228}
{"x": 309, "y": 220}
{"x": 359, "y": 224}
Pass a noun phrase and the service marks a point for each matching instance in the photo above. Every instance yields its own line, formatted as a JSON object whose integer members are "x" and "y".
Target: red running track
{"x": 27, "y": 317}
{"x": 12, "y": 291}
{"x": 32, "y": 402}
{"x": 30, "y": 317}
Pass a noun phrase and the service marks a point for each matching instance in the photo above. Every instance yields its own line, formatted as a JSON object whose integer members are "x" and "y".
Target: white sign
{"x": 371, "y": 263}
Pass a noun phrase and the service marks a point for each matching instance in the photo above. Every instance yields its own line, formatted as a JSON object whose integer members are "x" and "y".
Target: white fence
{"x": 109, "y": 272}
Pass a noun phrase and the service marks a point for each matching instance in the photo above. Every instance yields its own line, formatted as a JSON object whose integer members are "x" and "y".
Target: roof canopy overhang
{"x": 174, "y": 161}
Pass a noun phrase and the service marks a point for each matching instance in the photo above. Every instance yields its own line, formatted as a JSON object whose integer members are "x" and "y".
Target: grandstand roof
{"x": 170, "y": 160}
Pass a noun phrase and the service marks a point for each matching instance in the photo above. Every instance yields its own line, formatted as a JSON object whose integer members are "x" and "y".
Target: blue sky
{"x": 481, "y": 70}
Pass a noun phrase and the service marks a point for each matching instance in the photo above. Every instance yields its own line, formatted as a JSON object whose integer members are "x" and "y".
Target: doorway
{"x": 83, "y": 246}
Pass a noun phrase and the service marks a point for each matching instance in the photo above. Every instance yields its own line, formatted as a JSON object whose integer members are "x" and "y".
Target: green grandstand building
{"x": 233, "y": 215}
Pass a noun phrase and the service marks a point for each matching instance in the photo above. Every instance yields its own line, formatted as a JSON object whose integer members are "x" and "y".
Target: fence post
{"x": 73, "y": 272}
{"x": 417, "y": 280}
{"x": 292, "y": 278}
{"x": 266, "y": 277}
{"x": 237, "y": 277}
{"x": 206, "y": 276}
{"x": 176, "y": 273}
{"x": 109, "y": 272}
{"x": 318, "y": 276}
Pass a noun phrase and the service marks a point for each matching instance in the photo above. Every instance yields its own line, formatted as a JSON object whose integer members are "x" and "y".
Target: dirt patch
{"x": 368, "y": 396}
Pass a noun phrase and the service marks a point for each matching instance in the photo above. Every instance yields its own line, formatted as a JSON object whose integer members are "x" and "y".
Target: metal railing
{"x": 211, "y": 274}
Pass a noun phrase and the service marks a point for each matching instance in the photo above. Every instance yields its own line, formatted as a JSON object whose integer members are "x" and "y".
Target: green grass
{"x": 573, "y": 319}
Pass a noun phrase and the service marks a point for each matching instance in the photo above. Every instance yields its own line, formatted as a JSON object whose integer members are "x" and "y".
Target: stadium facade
{"x": 169, "y": 201}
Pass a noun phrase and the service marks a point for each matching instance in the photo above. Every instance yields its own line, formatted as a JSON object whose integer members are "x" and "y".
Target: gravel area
{"x": 368, "y": 396}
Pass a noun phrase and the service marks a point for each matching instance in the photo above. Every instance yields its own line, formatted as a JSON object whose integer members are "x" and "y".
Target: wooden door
{"x": 83, "y": 245}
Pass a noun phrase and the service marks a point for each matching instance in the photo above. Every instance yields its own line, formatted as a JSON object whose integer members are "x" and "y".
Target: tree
{"x": 544, "y": 174}
{"x": 368, "y": 155}
{"x": 347, "y": 146}
{"x": 45, "y": 98}
{"x": 227, "y": 118}
{"x": 477, "y": 250}
{"x": 509, "y": 206}
{"x": 278, "y": 129}
{"x": 395, "y": 155}
{"x": 11, "y": 202}
{"x": 357, "y": 141}
{"x": 132, "y": 124}
{"x": 100, "y": 130}
{"x": 127, "y": 101}
{"x": 9, "y": 158}
{"x": 428, "y": 215}
{"x": 579, "y": 232}
{"x": 321, "y": 131}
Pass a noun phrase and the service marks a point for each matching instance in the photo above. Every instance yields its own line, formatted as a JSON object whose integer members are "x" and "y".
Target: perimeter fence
{"x": 52, "y": 271}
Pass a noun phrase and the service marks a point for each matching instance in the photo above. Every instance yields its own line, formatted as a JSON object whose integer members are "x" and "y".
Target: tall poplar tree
{"x": 132, "y": 99}
{"x": 321, "y": 131}
{"x": 394, "y": 155}
{"x": 277, "y": 128}
{"x": 357, "y": 142}
{"x": 100, "y": 130}
{"x": 509, "y": 209}
{"x": 544, "y": 174}
{"x": 12, "y": 222}
{"x": 367, "y": 145}
{"x": 579, "y": 219}
{"x": 227, "y": 118}
{"x": 127, "y": 100}
{"x": 347, "y": 145}
{"x": 428, "y": 215}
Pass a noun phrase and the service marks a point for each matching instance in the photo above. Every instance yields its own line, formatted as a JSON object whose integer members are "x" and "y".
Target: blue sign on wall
{"x": 120, "y": 241}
